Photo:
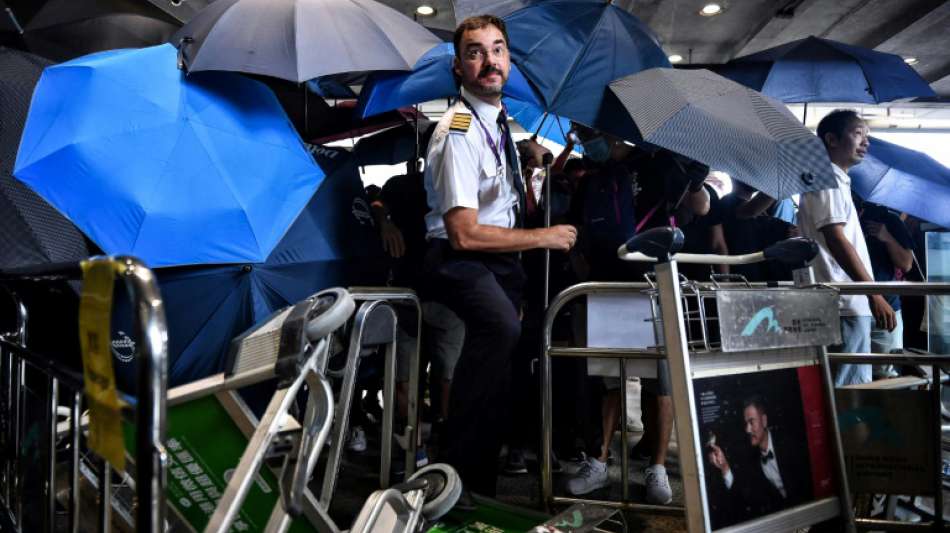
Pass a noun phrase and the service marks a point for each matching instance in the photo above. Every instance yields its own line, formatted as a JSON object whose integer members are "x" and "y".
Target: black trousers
{"x": 484, "y": 290}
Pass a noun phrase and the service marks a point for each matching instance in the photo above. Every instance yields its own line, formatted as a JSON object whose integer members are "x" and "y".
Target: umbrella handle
{"x": 547, "y": 160}
{"x": 182, "y": 58}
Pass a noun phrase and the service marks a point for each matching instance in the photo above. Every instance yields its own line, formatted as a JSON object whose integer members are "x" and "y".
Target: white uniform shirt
{"x": 462, "y": 171}
{"x": 818, "y": 209}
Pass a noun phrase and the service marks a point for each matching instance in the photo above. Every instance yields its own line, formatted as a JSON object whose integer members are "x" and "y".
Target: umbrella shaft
{"x": 13, "y": 19}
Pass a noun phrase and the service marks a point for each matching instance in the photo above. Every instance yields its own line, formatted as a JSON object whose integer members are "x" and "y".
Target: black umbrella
{"x": 395, "y": 145}
{"x": 725, "y": 125}
{"x": 31, "y": 231}
{"x": 299, "y": 40}
{"x": 65, "y": 29}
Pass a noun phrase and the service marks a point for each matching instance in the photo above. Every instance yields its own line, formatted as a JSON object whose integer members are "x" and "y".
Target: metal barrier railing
{"x": 689, "y": 306}
{"x": 62, "y": 390}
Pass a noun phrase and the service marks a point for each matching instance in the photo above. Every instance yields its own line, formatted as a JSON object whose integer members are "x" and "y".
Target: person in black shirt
{"x": 747, "y": 230}
{"x": 889, "y": 246}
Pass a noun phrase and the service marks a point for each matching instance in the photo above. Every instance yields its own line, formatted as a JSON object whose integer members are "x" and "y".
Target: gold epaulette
{"x": 460, "y": 122}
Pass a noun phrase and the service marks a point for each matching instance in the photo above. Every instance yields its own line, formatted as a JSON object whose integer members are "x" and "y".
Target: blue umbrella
{"x": 903, "y": 179}
{"x": 430, "y": 79}
{"x": 821, "y": 70}
{"x": 570, "y": 50}
{"x": 533, "y": 119}
{"x": 175, "y": 170}
{"x": 332, "y": 243}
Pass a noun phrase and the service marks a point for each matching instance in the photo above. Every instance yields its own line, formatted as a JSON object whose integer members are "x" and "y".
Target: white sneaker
{"x": 658, "y": 485}
{"x": 591, "y": 476}
{"x": 357, "y": 441}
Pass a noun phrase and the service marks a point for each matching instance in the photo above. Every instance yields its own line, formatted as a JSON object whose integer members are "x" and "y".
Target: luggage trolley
{"x": 877, "y": 460}
{"x": 36, "y": 390}
{"x": 770, "y": 344}
{"x": 293, "y": 345}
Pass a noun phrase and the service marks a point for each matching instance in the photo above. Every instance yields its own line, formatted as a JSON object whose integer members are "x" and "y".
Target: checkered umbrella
{"x": 725, "y": 125}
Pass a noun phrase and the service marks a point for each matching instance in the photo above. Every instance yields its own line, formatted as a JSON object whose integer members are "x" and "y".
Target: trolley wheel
{"x": 331, "y": 309}
{"x": 444, "y": 486}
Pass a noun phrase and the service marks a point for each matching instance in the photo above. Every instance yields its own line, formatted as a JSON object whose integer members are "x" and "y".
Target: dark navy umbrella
{"x": 173, "y": 169}
{"x": 31, "y": 230}
{"x": 570, "y": 50}
{"x": 821, "y": 70}
{"x": 332, "y": 243}
{"x": 903, "y": 179}
{"x": 431, "y": 78}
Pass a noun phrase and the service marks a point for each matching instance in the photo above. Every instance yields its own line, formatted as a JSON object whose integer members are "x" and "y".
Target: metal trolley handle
{"x": 662, "y": 244}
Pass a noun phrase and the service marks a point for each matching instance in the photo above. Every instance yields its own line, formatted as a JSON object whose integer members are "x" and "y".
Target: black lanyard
{"x": 491, "y": 142}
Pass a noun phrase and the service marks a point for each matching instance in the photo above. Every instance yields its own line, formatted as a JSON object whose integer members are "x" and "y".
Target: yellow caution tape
{"x": 95, "y": 333}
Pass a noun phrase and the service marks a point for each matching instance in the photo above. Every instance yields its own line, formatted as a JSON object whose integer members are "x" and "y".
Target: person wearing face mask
{"x": 830, "y": 218}
{"x": 475, "y": 231}
{"x": 626, "y": 190}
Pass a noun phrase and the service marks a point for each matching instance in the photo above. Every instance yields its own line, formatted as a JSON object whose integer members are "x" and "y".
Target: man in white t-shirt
{"x": 830, "y": 218}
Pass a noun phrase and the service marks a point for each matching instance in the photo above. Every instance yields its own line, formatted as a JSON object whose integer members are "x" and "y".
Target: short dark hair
{"x": 755, "y": 401}
{"x": 476, "y": 23}
{"x": 574, "y": 164}
{"x": 837, "y": 122}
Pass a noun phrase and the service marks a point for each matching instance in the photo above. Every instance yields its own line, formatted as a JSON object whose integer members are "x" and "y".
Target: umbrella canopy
{"x": 299, "y": 40}
{"x": 570, "y": 50}
{"x": 470, "y": 8}
{"x": 65, "y": 29}
{"x": 725, "y": 125}
{"x": 31, "y": 230}
{"x": 431, "y": 78}
{"x": 332, "y": 243}
{"x": 534, "y": 120}
{"x": 903, "y": 179}
{"x": 821, "y": 70}
{"x": 172, "y": 169}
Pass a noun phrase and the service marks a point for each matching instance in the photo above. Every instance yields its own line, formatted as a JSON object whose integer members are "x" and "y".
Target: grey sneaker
{"x": 591, "y": 476}
{"x": 658, "y": 485}
{"x": 357, "y": 441}
{"x": 515, "y": 464}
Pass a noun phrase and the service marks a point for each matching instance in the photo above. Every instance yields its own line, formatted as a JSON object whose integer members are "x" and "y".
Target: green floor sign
{"x": 204, "y": 446}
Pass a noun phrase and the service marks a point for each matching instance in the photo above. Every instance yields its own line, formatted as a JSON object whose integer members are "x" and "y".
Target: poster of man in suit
{"x": 765, "y": 443}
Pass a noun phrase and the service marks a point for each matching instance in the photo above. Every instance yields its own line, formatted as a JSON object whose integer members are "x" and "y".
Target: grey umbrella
{"x": 299, "y": 40}
{"x": 725, "y": 125}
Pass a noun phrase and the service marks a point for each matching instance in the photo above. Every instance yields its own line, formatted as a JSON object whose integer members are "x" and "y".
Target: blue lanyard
{"x": 491, "y": 142}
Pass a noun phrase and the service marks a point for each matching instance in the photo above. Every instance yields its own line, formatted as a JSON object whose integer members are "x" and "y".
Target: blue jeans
{"x": 855, "y": 338}
{"x": 883, "y": 341}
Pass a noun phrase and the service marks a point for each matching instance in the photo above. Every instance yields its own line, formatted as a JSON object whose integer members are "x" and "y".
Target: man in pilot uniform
{"x": 476, "y": 196}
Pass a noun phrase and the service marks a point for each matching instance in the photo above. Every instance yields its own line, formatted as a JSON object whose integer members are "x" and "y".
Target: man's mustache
{"x": 488, "y": 70}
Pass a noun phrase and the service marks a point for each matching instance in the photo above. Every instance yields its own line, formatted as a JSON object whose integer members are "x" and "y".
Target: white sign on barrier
{"x": 620, "y": 321}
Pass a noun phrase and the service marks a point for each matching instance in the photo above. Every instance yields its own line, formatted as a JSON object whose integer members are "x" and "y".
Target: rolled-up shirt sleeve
{"x": 457, "y": 174}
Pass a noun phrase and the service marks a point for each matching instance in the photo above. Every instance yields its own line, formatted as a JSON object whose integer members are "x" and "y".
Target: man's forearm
{"x": 755, "y": 206}
{"x": 901, "y": 257}
{"x": 485, "y": 238}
